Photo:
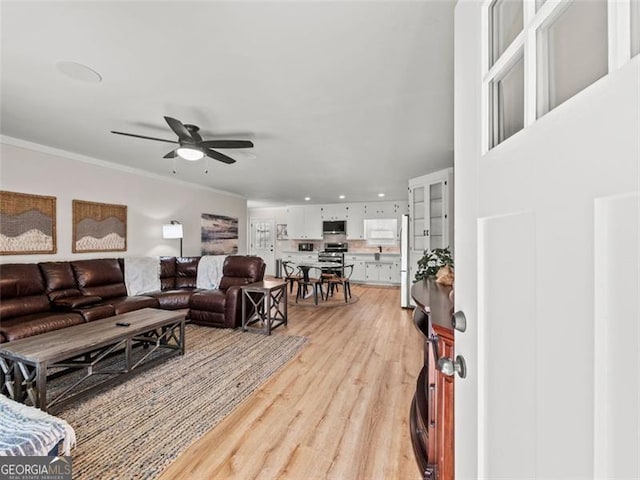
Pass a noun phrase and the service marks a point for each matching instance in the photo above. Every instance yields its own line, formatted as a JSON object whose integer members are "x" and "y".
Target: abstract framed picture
{"x": 27, "y": 224}
{"x": 281, "y": 231}
{"x": 219, "y": 234}
{"x": 99, "y": 227}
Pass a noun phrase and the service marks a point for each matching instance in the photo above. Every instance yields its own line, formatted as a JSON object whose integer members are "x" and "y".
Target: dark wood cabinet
{"x": 431, "y": 418}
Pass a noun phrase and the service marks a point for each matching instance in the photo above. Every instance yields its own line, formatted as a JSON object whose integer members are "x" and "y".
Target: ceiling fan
{"x": 191, "y": 145}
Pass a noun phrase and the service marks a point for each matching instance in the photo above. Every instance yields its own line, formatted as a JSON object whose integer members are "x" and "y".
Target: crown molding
{"x": 16, "y": 142}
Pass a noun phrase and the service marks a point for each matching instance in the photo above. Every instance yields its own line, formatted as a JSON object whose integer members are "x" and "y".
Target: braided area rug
{"x": 134, "y": 430}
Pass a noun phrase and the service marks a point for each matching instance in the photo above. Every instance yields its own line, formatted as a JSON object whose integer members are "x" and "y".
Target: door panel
{"x": 506, "y": 346}
{"x": 617, "y": 359}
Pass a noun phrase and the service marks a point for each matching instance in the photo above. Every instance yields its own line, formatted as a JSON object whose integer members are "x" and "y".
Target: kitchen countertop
{"x": 368, "y": 254}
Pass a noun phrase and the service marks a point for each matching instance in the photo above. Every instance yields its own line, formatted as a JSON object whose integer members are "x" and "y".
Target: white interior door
{"x": 262, "y": 242}
{"x": 547, "y": 234}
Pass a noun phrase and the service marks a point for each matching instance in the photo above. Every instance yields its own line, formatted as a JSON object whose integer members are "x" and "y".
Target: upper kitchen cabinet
{"x": 430, "y": 211}
{"x": 336, "y": 211}
{"x": 355, "y": 221}
{"x": 304, "y": 222}
{"x": 384, "y": 209}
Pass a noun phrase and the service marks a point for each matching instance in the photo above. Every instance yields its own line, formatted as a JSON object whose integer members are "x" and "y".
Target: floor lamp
{"x": 173, "y": 230}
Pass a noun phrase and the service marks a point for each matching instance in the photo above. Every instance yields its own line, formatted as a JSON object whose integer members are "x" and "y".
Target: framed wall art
{"x": 219, "y": 234}
{"x": 99, "y": 227}
{"x": 281, "y": 232}
{"x": 27, "y": 224}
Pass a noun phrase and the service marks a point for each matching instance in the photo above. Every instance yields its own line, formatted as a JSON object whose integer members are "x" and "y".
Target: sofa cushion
{"x": 71, "y": 303}
{"x": 22, "y": 291}
{"x": 209, "y": 301}
{"x": 186, "y": 272}
{"x": 241, "y": 270}
{"x": 8, "y": 288}
{"x": 173, "y": 299}
{"x": 129, "y": 304}
{"x": 167, "y": 273}
{"x": 102, "y": 277}
{"x": 27, "y": 278}
{"x": 96, "y": 312}
{"x": 34, "y": 324}
{"x": 59, "y": 280}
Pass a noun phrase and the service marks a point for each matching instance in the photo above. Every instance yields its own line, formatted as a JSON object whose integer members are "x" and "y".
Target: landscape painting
{"x": 219, "y": 234}
{"x": 99, "y": 227}
{"x": 27, "y": 224}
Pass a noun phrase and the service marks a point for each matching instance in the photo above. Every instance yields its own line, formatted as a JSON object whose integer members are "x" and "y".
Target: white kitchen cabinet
{"x": 383, "y": 209}
{"x": 359, "y": 271}
{"x": 430, "y": 211}
{"x": 304, "y": 222}
{"x": 395, "y": 271}
{"x": 336, "y": 211}
{"x": 355, "y": 222}
{"x": 379, "y": 272}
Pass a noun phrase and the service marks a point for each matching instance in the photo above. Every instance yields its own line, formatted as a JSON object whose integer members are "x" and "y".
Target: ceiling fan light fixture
{"x": 190, "y": 153}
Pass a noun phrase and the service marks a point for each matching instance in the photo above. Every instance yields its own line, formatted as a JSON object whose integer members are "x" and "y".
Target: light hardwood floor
{"x": 339, "y": 410}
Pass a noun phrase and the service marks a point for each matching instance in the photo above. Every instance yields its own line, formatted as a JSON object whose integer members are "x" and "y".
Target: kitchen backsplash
{"x": 355, "y": 246}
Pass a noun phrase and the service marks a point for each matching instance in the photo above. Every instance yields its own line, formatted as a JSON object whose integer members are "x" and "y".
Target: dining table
{"x": 305, "y": 266}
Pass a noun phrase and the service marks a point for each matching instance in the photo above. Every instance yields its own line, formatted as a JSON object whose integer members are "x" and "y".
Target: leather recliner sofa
{"x": 37, "y": 298}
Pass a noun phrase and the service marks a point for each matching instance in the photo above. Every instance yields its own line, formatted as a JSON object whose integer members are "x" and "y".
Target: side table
{"x": 268, "y": 303}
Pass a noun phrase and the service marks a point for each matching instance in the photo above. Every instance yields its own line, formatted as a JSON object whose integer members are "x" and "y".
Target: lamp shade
{"x": 172, "y": 230}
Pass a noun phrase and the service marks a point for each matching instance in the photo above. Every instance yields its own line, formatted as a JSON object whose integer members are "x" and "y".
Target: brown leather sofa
{"x": 37, "y": 298}
{"x": 223, "y": 307}
{"x": 178, "y": 277}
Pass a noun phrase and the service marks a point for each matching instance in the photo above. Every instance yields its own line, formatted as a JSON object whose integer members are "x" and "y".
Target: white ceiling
{"x": 348, "y": 97}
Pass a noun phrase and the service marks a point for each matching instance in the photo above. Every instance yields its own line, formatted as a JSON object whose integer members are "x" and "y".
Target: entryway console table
{"x": 431, "y": 417}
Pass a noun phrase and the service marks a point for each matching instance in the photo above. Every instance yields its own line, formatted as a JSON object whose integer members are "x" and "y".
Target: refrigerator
{"x": 405, "y": 270}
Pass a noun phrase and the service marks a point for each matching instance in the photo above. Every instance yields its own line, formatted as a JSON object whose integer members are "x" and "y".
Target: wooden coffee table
{"x": 26, "y": 362}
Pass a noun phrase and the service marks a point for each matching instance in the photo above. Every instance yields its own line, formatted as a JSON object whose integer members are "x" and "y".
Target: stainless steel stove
{"x": 334, "y": 252}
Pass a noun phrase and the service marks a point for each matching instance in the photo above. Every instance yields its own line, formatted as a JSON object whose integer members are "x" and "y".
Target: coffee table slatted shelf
{"x": 26, "y": 363}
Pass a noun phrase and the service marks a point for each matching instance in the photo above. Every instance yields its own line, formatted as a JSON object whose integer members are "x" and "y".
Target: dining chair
{"x": 291, "y": 274}
{"x": 314, "y": 283}
{"x": 341, "y": 280}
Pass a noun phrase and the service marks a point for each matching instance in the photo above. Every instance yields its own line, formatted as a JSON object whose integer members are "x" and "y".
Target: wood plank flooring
{"x": 339, "y": 410}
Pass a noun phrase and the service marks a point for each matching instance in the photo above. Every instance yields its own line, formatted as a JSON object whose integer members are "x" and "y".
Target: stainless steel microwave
{"x": 334, "y": 226}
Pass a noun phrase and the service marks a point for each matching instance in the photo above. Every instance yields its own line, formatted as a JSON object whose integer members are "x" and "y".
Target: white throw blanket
{"x": 142, "y": 275}
{"x": 27, "y": 430}
{"x": 210, "y": 271}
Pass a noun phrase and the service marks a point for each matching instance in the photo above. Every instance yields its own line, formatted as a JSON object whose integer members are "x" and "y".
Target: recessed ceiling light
{"x": 307, "y": 198}
{"x": 341, "y": 197}
{"x": 381, "y": 194}
{"x": 80, "y": 72}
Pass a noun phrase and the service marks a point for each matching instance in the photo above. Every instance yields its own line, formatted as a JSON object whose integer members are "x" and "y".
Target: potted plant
{"x": 432, "y": 261}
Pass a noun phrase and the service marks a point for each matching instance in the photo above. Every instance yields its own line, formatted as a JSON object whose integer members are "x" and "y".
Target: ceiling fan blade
{"x": 143, "y": 136}
{"x": 218, "y": 156}
{"x": 195, "y": 135}
{"x": 227, "y": 143}
{"x": 179, "y": 129}
{"x": 171, "y": 154}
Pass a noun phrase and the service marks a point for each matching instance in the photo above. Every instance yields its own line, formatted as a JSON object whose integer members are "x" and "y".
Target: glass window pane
{"x": 505, "y": 23}
{"x": 507, "y": 103}
{"x": 635, "y": 27}
{"x": 572, "y": 52}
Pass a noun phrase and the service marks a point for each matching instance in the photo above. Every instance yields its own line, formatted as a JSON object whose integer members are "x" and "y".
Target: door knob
{"x": 459, "y": 321}
{"x": 448, "y": 367}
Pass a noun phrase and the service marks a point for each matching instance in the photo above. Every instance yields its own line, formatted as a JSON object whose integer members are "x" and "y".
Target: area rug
{"x": 137, "y": 428}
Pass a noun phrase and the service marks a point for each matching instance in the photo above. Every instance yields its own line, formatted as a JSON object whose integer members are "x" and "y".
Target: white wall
{"x": 151, "y": 201}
